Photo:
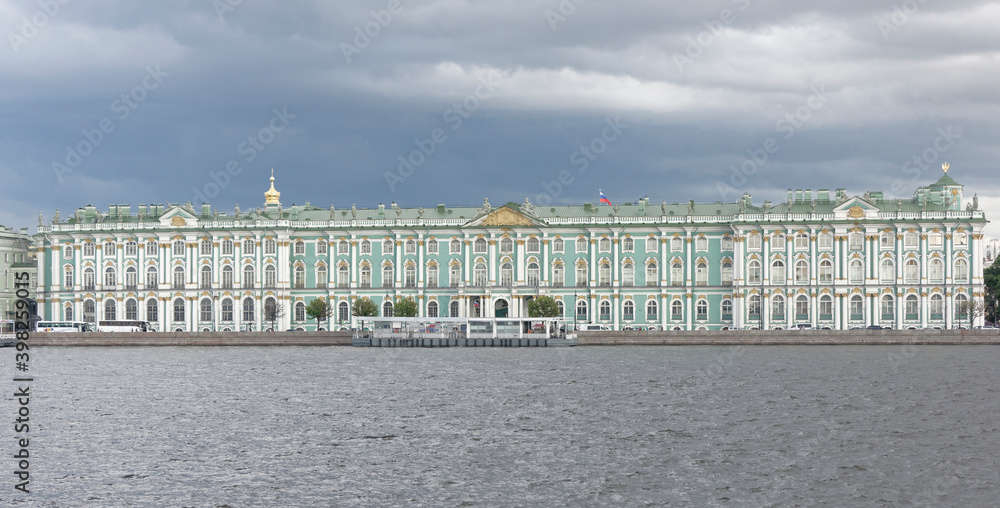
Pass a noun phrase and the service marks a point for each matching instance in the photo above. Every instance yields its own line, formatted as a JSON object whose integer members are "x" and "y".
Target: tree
{"x": 991, "y": 280}
{"x": 968, "y": 311}
{"x": 273, "y": 311}
{"x": 543, "y": 306}
{"x": 363, "y": 307}
{"x": 319, "y": 309}
{"x": 404, "y": 307}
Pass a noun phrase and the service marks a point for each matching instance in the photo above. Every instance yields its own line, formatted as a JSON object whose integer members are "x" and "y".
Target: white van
{"x": 593, "y": 328}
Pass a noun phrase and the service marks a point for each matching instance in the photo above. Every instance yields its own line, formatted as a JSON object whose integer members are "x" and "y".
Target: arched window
{"x": 88, "y": 248}
{"x": 205, "y": 313}
{"x": 455, "y": 275}
{"x": 652, "y": 273}
{"x": 581, "y": 245}
{"x": 534, "y": 274}
{"x": 960, "y": 239}
{"x": 300, "y": 248}
{"x": 411, "y": 246}
{"x": 109, "y": 248}
{"x": 366, "y": 276}
{"x": 581, "y": 274}
{"x": 802, "y": 308}
{"x": 826, "y": 307}
{"x": 605, "y": 308}
{"x": 802, "y": 241}
{"x": 676, "y": 244}
{"x": 701, "y": 244}
{"x": 89, "y": 311}
{"x": 68, "y": 252}
{"x": 855, "y": 241}
{"x": 777, "y": 272}
{"x": 961, "y": 270}
{"x": 300, "y": 277}
{"x": 935, "y": 270}
{"x": 727, "y": 273}
{"x": 248, "y": 309}
{"x": 727, "y": 309}
{"x": 801, "y": 272}
{"x": 604, "y": 245}
{"x": 628, "y": 245}
{"x": 270, "y": 311}
{"x": 532, "y": 245}
{"x": 321, "y": 246}
{"x": 558, "y": 245}
{"x": 205, "y": 247}
{"x": 321, "y": 277}
{"x": 152, "y": 248}
{"x": 961, "y": 307}
{"x": 886, "y": 271}
{"x": 910, "y": 240}
{"x": 506, "y": 245}
{"x": 455, "y": 246}
{"x": 888, "y": 307}
{"x": 825, "y": 240}
{"x": 227, "y": 277}
{"x": 300, "y": 311}
{"x": 343, "y": 312}
{"x": 343, "y": 276}
{"x": 778, "y": 308}
{"x": 777, "y": 242}
{"x": 628, "y": 274}
{"x": 479, "y": 247}
{"x": 628, "y": 310}
{"x": 701, "y": 308}
{"x": 343, "y": 248}
{"x": 432, "y": 309}
{"x": 652, "y": 310}
{"x": 753, "y": 272}
{"x": 561, "y": 306}
{"x": 604, "y": 274}
{"x": 826, "y": 271}
{"x": 206, "y": 277}
{"x": 753, "y": 306}
{"x": 178, "y": 309}
{"x": 248, "y": 247}
{"x": 912, "y": 309}
{"x": 432, "y": 276}
{"x": 131, "y": 278}
{"x": 857, "y": 307}
{"x": 887, "y": 240}
{"x": 109, "y": 310}
{"x": 88, "y": 278}
{"x": 410, "y": 274}
{"x": 152, "y": 310}
{"x": 270, "y": 276}
{"x": 506, "y": 274}
{"x": 677, "y": 273}
{"x": 387, "y": 309}
{"x": 68, "y": 312}
{"x": 581, "y": 310}
{"x": 651, "y": 245}
{"x": 911, "y": 271}
{"x": 558, "y": 274}
{"x": 227, "y": 310}
{"x": 248, "y": 276}
{"x": 109, "y": 277}
{"x": 178, "y": 248}
{"x": 479, "y": 274}
{"x": 432, "y": 246}
{"x": 227, "y": 247}
{"x": 388, "y": 276}
{"x": 454, "y": 308}
{"x": 388, "y": 247}
{"x": 857, "y": 271}
{"x": 676, "y": 310}
{"x": 178, "y": 277}
{"x": 366, "y": 246}
{"x": 701, "y": 274}
{"x": 937, "y": 306}
{"x": 753, "y": 241}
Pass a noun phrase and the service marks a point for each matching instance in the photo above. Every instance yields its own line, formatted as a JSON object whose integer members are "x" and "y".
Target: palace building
{"x": 825, "y": 259}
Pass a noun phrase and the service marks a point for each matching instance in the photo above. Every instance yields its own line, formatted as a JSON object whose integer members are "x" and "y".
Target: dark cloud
{"x": 700, "y": 86}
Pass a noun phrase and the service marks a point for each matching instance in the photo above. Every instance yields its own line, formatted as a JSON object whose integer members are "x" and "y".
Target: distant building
{"x": 825, "y": 258}
{"x": 16, "y": 255}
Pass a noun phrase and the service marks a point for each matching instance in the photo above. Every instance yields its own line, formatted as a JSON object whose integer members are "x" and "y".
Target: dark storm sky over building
{"x": 123, "y": 102}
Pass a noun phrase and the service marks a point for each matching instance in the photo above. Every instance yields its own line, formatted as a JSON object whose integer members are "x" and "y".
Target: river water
{"x": 584, "y": 426}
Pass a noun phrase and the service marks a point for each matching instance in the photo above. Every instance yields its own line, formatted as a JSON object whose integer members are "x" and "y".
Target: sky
{"x": 453, "y": 101}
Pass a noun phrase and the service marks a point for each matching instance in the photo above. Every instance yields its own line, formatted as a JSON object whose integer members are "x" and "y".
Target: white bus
{"x": 124, "y": 326}
{"x": 64, "y": 326}
{"x": 7, "y": 335}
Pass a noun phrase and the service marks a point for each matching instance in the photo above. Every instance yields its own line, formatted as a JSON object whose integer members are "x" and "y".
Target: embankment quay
{"x": 601, "y": 338}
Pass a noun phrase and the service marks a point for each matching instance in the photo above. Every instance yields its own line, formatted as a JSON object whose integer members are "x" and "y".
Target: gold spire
{"x": 945, "y": 167}
{"x": 271, "y": 196}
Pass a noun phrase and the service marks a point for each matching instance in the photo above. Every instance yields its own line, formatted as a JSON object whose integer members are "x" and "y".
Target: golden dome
{"x": 272, "y": 196}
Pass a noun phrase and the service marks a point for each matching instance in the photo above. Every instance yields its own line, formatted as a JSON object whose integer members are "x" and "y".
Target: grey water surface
{"x": 584, "y": 426}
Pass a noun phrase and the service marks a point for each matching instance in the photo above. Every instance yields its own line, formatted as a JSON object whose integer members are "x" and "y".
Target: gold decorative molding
{"x": 178, "y": 221}
{"x": 506, "y": 217}
{"x": 855, "y": 212}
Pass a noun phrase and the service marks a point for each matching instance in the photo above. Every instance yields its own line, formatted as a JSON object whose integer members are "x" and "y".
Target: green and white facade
{"x": 822, "y": 258}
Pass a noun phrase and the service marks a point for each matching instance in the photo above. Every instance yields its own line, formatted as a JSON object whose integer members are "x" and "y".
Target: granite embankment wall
{"x": 193, "y": 339}
{"x": 788, "y": 337}
{"x": 596, "y": 338}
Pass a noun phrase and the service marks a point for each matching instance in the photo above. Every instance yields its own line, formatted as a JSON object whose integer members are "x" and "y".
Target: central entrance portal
{"x": 500, "y": 308}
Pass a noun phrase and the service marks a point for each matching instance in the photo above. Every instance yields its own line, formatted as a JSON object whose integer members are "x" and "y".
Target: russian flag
{"x": 604, "y": 200}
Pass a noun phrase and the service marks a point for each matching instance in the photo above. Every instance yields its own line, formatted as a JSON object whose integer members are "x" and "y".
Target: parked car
{"x": 873, "y": 327}
{"x": 804, "y": 326}
{"x": 593, "y": 327}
